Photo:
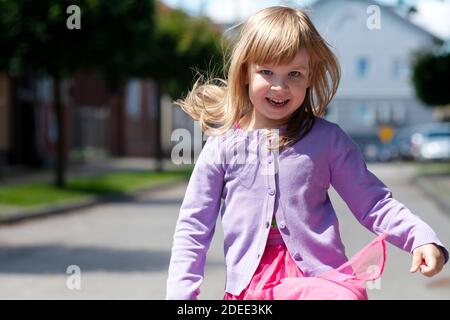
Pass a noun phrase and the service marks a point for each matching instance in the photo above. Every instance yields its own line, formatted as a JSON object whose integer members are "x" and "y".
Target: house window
{"x": 362, "y": 67}
{"x": 399, "y": 113}
{"x": 396, "y": 68}
{"x": 133, "y": 98}
{"x": 364, "y": 115}
{"x": 44, "y": 90}
{"x": 400, "y": 69}
{"x": 384, "y": 113}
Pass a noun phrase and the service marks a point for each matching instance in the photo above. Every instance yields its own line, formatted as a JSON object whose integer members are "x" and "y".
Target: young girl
{"x": 267, "y": 167}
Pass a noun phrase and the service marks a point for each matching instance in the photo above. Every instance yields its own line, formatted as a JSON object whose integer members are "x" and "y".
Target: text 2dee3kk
{"x": 247, "y": 309}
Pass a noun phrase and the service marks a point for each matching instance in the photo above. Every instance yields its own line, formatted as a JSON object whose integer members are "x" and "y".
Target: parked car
{"x": 388, "y": 151}
{"x": 431, "y": 142}
{"x": 404, "y": 143}
{"x": 399, "y": 148}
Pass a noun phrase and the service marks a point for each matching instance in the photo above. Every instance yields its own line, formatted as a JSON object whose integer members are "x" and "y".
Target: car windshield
{"x": 438, "y": 135}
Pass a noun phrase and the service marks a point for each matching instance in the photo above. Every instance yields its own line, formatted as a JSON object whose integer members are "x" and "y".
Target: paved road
{"x": 123, "y": 249}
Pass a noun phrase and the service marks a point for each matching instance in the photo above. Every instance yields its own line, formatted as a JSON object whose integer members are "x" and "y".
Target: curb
{"x": 83, "y": 204}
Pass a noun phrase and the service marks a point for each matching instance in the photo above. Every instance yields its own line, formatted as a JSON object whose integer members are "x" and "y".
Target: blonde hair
{"x": 273, "y": 35}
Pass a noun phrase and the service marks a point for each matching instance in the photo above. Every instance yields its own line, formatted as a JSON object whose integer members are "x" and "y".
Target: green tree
{"x": 430, "y": 77}
{"x": 183, "y": 45}
{"x": 34, "y": 38}
{"x": 118, "y": 39}
{"x": 197, "y": 47}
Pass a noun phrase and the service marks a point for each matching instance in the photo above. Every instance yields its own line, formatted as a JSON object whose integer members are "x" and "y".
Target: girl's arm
{"x": 196, "y": 224}
{"x": 371, "y": 201}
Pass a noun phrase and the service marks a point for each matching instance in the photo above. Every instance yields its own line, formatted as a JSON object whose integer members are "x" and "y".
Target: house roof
{"x": 390, "y": 11}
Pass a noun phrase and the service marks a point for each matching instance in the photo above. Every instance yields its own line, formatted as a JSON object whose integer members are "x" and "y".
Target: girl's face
{"x": 276, "y": 91}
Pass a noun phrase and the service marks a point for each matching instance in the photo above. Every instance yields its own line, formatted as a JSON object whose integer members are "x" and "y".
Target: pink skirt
{"x": 279, "y": 278}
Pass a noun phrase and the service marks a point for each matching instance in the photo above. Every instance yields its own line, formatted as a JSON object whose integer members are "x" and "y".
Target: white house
{"x": 375, "y": 46}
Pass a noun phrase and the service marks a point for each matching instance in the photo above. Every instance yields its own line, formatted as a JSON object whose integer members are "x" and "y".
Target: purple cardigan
{"x": 256, "y": 184}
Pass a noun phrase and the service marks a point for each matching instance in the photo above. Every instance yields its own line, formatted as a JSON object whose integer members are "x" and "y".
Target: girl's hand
{"x": 428, "y": 258}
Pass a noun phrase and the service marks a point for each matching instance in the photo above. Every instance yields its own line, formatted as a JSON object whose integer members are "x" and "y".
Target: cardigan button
{"x": 271, "y": 191}
{"x": 282, "y": 225}
{"x": 297, "y": 256}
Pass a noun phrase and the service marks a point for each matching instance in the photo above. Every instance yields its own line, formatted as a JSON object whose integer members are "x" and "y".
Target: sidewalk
{"x": 21, "y": 176}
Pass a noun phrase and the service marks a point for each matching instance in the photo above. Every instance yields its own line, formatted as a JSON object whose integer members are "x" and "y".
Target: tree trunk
{"x": 159, "y": 151}
{"x": 60, "y": 142}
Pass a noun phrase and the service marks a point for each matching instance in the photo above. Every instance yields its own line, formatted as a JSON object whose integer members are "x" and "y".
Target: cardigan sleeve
{"x": 371, "y": 202}
{"x": 196, "y": 224}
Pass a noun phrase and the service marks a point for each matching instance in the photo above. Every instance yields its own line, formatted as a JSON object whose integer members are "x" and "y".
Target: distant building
{"x": 375, "y": 90}
{"x": 97, "y": 123}
{"x": 375, "y": 87}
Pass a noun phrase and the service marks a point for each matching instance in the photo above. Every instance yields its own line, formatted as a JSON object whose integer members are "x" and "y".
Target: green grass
{"x": 433, "y": 169}
{"x": 38, "y": 194}
{"x": 435, "y": 181}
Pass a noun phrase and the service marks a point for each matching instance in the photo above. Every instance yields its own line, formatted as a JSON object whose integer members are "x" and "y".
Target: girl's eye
{"x": 265, "y": 72}
{"x": 295, "y": 74}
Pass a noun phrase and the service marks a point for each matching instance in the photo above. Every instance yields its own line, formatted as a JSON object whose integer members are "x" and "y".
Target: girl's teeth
{"x": 277, "y": 102}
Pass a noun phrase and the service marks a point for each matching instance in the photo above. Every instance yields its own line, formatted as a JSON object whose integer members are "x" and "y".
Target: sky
{"x": 433, "y": 15}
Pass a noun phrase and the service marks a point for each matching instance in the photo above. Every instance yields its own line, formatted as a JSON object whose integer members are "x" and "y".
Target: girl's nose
{"x": 279, "y": 85}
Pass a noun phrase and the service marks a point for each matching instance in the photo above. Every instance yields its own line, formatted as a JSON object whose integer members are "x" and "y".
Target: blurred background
{"x": 87, "y": 121}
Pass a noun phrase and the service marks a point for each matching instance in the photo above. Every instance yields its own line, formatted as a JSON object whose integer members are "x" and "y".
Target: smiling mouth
{"x": 276, "y": 102}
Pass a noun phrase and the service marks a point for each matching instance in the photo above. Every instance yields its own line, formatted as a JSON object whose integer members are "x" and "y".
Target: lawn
{"x": 435, "y": 181}
{"x": 38, "y": 194}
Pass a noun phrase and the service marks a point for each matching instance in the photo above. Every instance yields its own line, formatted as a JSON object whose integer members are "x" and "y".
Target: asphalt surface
{"x": 122, "y": 249}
